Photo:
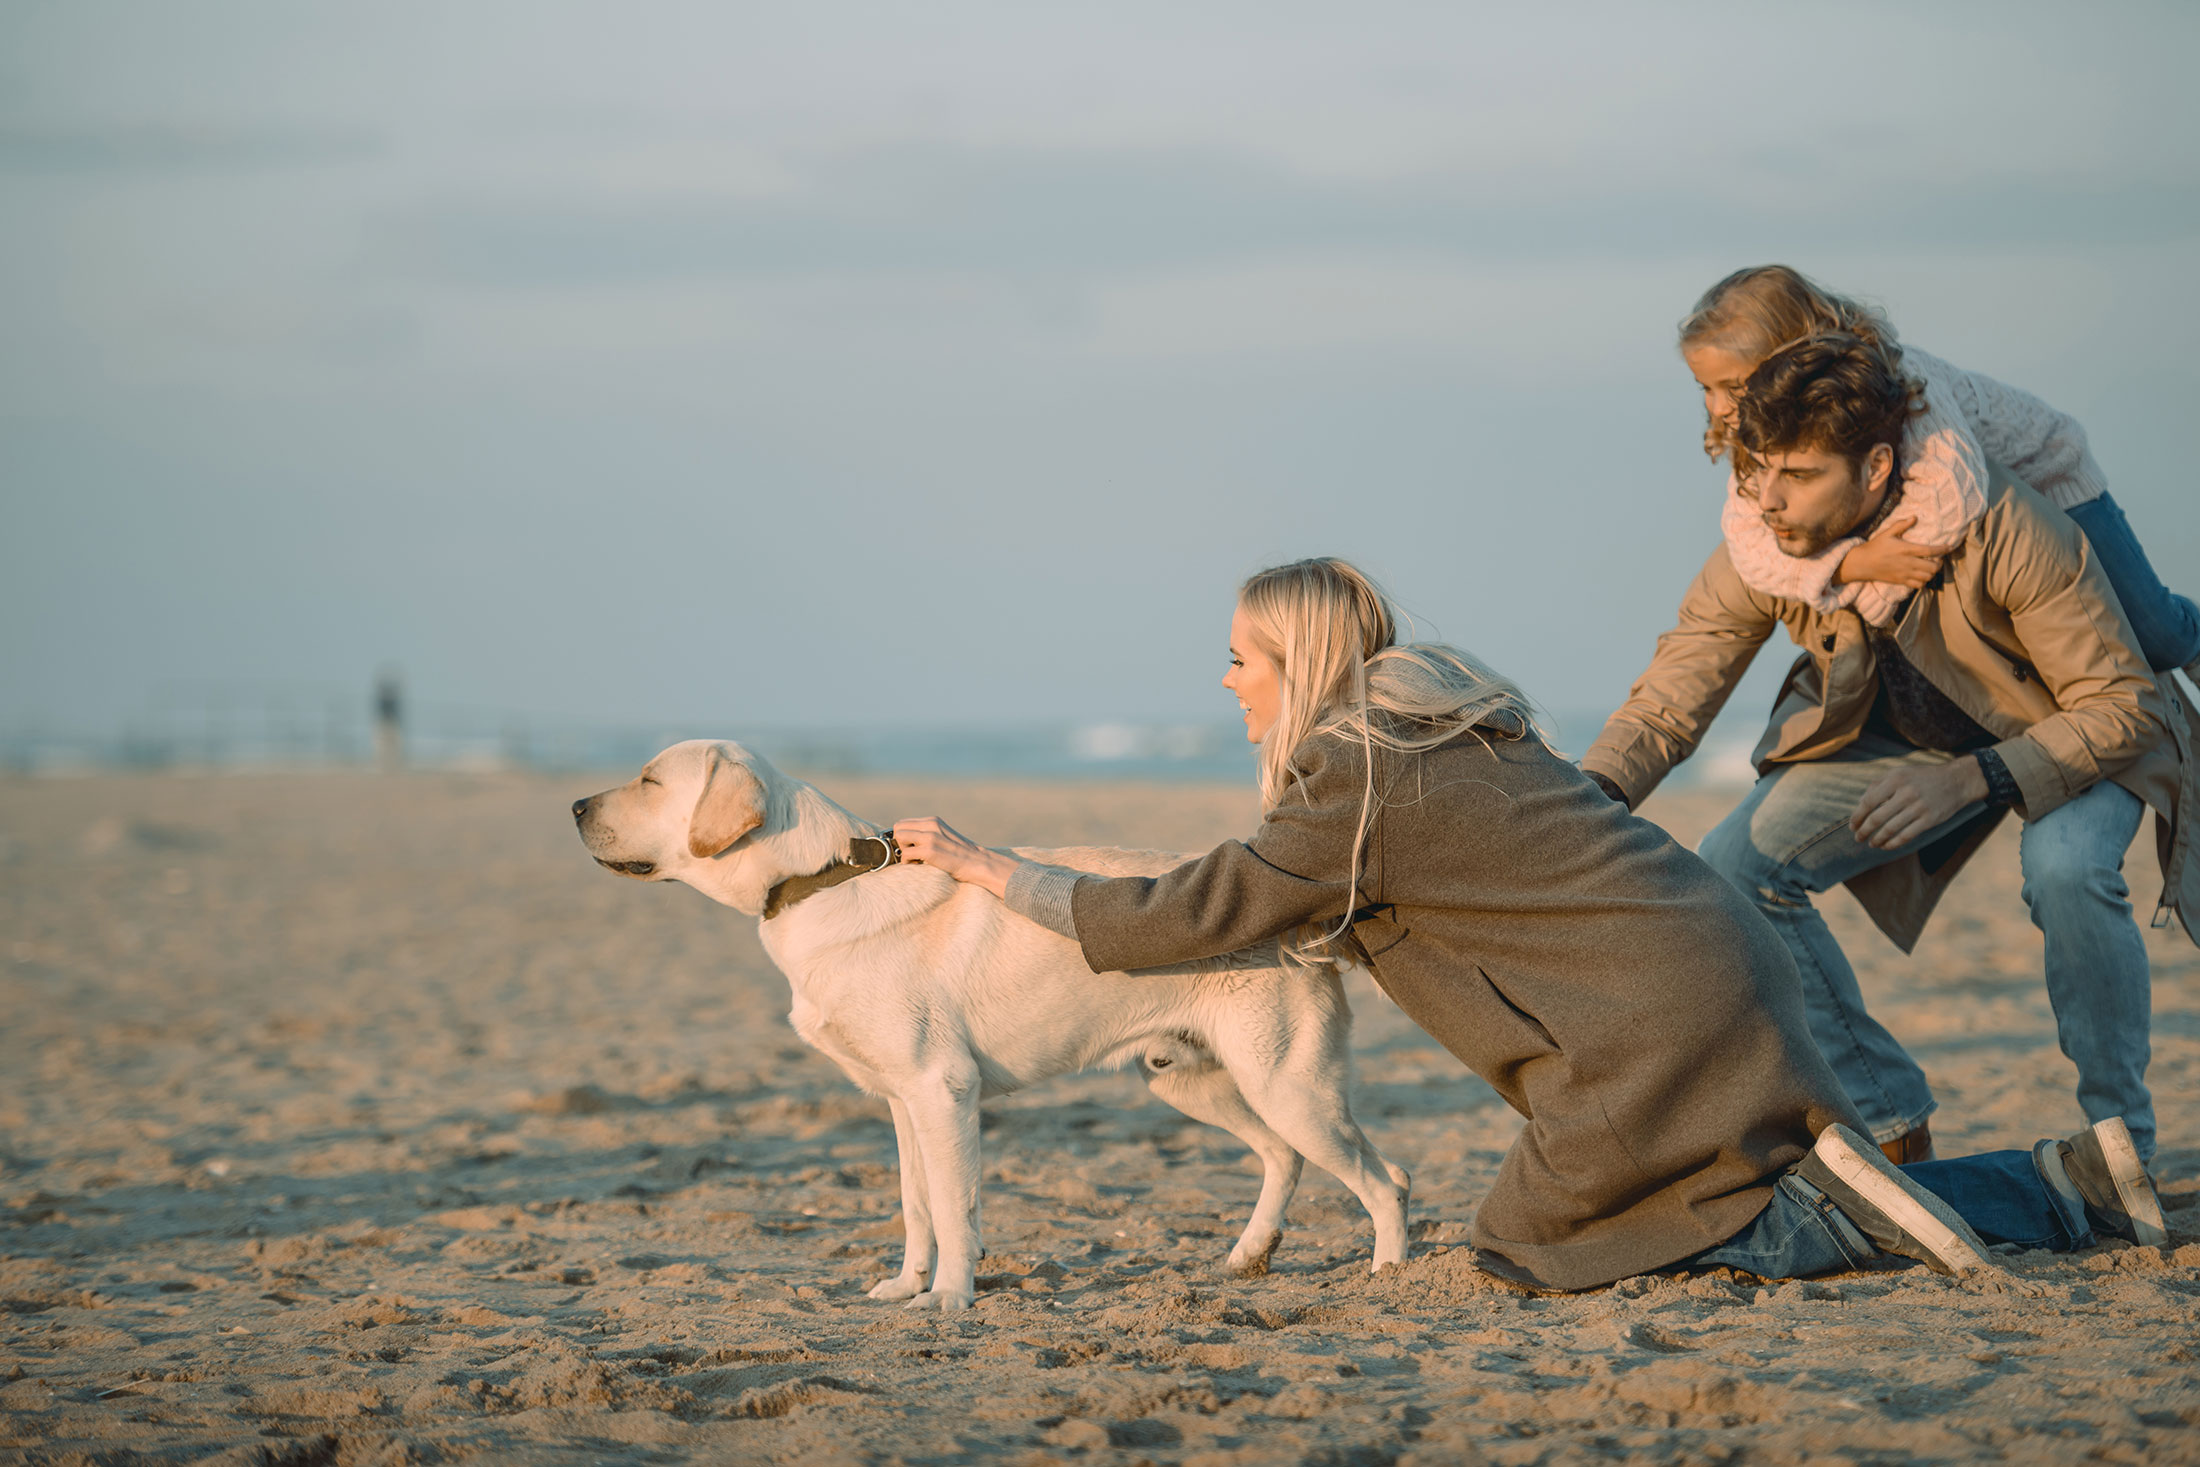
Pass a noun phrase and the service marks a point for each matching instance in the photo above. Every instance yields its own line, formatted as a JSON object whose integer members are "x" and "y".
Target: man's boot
{"x": 1916, "y": 1145}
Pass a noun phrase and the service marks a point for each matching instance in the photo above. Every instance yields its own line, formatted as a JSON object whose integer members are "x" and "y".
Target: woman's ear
{"x": 730, "y": 806}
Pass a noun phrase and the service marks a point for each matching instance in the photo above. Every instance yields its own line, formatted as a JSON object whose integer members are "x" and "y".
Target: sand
{"x": 362, "y": 1120}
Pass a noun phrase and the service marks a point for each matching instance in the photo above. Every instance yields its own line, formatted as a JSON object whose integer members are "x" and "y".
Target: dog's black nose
{"x": 580, "y": 806}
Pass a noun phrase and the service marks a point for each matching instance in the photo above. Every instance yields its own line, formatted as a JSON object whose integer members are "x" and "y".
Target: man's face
{"x": 1810, "y": 498}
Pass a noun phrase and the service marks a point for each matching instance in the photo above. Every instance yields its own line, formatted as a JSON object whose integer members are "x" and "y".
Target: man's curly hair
{"x": 1833, "y": 393}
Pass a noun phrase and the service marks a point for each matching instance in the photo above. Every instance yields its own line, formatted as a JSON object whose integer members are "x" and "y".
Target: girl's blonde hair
{"x": 1333, "y": 636}
{"x": 1754, "y": 312}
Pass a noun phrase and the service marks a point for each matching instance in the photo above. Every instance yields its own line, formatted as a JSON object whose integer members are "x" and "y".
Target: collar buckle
{"x": 889, "y": 851}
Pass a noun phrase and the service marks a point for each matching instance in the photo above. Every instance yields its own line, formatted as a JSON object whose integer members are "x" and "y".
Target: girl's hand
{"x": 1888, "y": 557}
{"x": 930, "y": 841}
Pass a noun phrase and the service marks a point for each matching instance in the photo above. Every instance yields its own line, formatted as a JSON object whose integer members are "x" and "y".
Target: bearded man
{"x": 2011, "y": 681}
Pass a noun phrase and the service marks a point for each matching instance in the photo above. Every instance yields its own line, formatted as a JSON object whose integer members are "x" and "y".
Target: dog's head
{"x": 701, "y": 812}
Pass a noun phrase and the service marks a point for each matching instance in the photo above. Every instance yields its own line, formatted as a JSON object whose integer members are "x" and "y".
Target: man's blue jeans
{"x": 1790, "y": 838}
{"x": 2168, "y": 625}
{"x": 1801, "y": 1233}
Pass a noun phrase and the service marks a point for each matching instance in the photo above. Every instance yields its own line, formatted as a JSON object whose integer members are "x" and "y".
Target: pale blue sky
{"x": 725, "y": 366}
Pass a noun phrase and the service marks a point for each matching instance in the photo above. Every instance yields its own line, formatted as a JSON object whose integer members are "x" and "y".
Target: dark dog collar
{"x": 865, "y": 854}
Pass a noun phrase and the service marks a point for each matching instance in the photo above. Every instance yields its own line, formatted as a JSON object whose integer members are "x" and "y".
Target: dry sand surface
{"x": 358, "y": 1120}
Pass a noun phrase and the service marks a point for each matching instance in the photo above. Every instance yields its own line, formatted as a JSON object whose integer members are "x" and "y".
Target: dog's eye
{"x": 648, "y": 779}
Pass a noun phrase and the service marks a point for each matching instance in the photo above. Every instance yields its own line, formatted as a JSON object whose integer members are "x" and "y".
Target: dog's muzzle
{"x": 629, "y": 868}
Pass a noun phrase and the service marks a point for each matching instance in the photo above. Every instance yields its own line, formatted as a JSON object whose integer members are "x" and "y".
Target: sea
{"x": 245, "y": 734}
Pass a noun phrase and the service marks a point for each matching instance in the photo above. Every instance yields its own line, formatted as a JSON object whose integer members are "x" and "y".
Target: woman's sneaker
{"x": 1887, "y": 1207}
{"x": 2103, "y": 1168}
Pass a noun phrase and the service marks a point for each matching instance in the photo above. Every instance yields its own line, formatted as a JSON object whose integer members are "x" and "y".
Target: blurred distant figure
{"x": 389, "y": 722}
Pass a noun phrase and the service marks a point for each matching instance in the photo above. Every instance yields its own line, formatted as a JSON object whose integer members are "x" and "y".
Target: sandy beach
{"x": 354, "y": 1120}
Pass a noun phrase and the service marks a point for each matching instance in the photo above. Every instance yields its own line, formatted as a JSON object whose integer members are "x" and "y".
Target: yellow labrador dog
{"x": 934, "y": 995}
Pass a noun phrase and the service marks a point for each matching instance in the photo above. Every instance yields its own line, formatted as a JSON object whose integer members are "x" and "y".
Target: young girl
{"x": 1615, "y": 990}
{"x": 1965, "y": 417}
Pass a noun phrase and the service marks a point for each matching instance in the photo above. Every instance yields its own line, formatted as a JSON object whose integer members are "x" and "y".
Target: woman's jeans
{"x": 2168, "y": 625}
{"x": 1790, "y": 838}
{"x": 1801, "y": 1233}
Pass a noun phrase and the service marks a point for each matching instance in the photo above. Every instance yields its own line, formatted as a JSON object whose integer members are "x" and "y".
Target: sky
{"x": 716, "y": 366}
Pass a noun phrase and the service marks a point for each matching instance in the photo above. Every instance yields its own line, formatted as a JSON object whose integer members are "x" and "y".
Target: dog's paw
{"x": 1248, "y": 1262}
{"x": 946, "y": 1301}
{"x": 901, "y": 1286}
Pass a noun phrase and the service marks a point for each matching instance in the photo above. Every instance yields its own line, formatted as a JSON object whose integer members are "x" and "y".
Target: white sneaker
{"x": 1888, "y": 1208}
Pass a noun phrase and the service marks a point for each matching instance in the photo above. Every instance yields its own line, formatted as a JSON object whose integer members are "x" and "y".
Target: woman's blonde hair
{"x": 1755, "y": 312}
{"x": 1333, "y": 636}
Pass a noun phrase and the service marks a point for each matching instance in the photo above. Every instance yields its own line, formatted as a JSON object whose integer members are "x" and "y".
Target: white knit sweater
{"x": 1967, "y": 418}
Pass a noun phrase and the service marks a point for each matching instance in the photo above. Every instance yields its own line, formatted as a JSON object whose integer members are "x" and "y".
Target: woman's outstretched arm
{"x": 1294, "y": 870}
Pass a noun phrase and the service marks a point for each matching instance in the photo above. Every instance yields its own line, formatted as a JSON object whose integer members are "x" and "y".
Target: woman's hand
{"x": 1888, "y": 557}
{"x": 931, "y": 841}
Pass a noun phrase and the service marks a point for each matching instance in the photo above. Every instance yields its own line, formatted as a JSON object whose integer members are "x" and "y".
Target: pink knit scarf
{"x": 1946, "y": 502}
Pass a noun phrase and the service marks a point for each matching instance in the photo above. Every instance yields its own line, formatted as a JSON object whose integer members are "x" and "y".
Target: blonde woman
{"x": 1612, "y": 988}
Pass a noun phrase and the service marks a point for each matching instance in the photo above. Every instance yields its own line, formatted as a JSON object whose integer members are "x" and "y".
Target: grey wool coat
{"x": 1614, "y": 989}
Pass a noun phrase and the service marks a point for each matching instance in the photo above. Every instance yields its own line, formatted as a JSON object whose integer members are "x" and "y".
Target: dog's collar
{"x": 865, "y": 854}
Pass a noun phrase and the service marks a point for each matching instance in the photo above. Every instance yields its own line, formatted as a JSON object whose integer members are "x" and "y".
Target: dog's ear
{"x": 730, "y": 806}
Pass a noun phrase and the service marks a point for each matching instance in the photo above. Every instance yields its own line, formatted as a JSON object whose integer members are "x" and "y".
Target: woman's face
{"x": 1255, "y": 678}
{"x": 1720, "y": 374}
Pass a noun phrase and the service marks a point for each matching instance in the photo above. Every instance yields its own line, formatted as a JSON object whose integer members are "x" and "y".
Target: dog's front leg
{"x": 943, "y": 1108}
{"x": 916, "y": 1212}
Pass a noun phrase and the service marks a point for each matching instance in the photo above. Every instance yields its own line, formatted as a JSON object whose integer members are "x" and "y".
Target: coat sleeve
{"x": 1295, "y": 869}
{"x": 2041, "y": 445}
{"x": 2041, "y": 570}
{"x": 1943, "y": 467}
{"x": 1693, "y": 672}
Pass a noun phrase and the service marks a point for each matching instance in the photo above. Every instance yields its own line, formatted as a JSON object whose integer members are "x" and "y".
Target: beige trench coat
{"x": 2020, "y": 629}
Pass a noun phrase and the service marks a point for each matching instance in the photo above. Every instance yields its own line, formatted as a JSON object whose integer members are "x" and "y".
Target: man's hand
{"x": 1904, "y": 805}
{"x": 1888, "y": 557}
{"x": 930, "y": 841}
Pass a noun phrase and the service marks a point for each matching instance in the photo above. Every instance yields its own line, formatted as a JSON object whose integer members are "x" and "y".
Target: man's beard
{"x": 1807, "y": 541}
{"x": 1810, "y": 539}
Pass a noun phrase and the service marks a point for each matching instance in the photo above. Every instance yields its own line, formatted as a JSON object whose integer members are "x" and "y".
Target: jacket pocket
{"x": 1377, "y": 929}
{"x": 1527, "y": 1021}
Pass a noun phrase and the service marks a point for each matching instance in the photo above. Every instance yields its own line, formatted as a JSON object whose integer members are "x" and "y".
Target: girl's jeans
{"x": 2168, "y": 625}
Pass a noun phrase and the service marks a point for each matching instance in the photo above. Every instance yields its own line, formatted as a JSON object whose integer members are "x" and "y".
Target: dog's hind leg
{"x": 943, "y": 1111}
{"x": 1304, "y": 1098}
{"x": 1205, "y": 1092}
{"x": 916, "y": 1213}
